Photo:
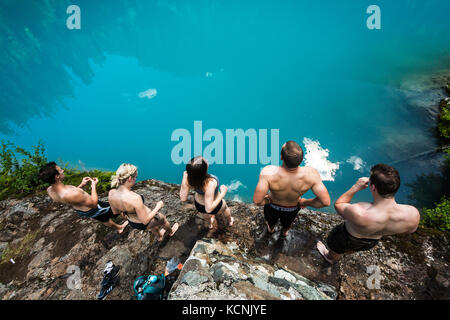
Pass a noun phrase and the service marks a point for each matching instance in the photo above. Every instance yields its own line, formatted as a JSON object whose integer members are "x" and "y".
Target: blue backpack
{"x": 149, "y": 287}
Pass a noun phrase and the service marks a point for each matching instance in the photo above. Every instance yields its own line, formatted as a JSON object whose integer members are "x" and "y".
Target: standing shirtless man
{"x": 84, "y": 204}
{"x": 287, "y": 184}
{"x": 365, "y": 223}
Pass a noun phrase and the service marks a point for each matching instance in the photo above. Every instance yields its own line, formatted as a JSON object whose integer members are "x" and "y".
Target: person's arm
{"x": 343, "y": 205}
{"x": 322, "y": 198}
{"x": 143, "y": 212}
{"x": 94, "y": 196}
{"x": 210, "y": 202}
{"x": 415, "y": 219}
{"x": 260, "y": 196}
{"x": 79, "y": 197}
{"x": 184, "y": 190}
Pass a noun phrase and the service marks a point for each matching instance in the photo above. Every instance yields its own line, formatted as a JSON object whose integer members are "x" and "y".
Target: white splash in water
{"x": 234, "y": 185}
{"x": 82, "y": 165}
{"x": 150, "y": 94}
{"x": 213, "y": 74}
{"x": 316, "y": 157}
{"x": 357, "y": 162}
{"x": 237, "y": 198}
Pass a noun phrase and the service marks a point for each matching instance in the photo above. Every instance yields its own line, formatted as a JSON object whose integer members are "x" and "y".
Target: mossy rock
{"x": 414, "y": 251}
{"x": 433, "y": 232}
{"x": 21, "y": 249}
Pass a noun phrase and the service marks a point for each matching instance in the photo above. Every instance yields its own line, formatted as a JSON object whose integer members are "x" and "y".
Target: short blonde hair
{"x": 125, "y": 171}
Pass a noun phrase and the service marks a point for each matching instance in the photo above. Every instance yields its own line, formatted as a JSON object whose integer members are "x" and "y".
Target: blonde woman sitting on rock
{"x": 130, "y": 204}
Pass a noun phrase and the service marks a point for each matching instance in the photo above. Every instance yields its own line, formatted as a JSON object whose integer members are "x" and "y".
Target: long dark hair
{"x": 197, "y": 171}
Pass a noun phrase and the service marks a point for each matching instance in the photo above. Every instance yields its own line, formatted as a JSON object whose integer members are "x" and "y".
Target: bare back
{"x": 367, "y": 220}
{"x": 287, "y": 186}
{"x": 210, "y": 189}
{"x": 126, "y": 201}
{"x": 73, "y": 196}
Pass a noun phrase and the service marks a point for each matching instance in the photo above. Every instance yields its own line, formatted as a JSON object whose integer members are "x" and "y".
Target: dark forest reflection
{"x": 41, "y": 53}
{"x": 428, "y": 189}
{"x": 187, "y": 38}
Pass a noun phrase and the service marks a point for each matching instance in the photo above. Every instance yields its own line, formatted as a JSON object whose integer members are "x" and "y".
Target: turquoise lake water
{"x": 115, "y": 90}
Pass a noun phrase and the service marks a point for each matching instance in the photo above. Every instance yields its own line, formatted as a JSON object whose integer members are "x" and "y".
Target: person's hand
{"x": 362, "y": 183}
{"x": 160, "y": 204}
{"x": 267, "y": 199}
{"x": 94, "y": 180}
{"x": 223, "y": 189}
{"x": 302, "y": 203}
{"x": 85, "y": 180}
{"x": 186, "y": 205}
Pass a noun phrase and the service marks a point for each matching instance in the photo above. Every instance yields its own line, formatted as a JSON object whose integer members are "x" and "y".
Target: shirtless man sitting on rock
{"x": 365, "y": 223}
{"x": 84, "y": 204}
{"x": 287, "y": 183}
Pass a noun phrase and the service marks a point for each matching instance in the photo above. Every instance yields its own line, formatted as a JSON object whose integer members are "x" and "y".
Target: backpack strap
{"x": 139, "y": 284}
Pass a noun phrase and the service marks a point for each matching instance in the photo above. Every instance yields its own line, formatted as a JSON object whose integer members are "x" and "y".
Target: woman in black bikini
{"x": 131, "y": 205}
{"x": 208, "y": 199}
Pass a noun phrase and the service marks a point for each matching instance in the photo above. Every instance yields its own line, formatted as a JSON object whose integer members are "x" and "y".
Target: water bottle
{"x": 172, "y": 265}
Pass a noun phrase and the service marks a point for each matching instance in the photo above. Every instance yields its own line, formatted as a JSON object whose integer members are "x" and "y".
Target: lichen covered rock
{"x": 215, "y": 270}
{"x": 47, "y": 241}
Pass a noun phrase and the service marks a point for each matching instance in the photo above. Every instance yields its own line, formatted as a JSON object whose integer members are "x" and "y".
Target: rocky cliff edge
{"x": 42, "y": 243}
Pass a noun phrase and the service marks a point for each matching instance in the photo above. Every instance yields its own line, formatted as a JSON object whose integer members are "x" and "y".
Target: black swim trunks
{"x": 340, "y": 241}
{"x": 201, "y": 208}
{"x": 102, "y": 213}
{"x": 287, "y": 215}
{"x": 139, "y": 226}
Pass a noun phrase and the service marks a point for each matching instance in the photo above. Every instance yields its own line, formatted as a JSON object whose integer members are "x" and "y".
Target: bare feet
{"x": 211, "y": 222}
{"x": 188, "y": 206}
{"x": 268, "y": 229}
{"x": 324, "y": 252}
{"x": 231, "y": 221}
{"x": 122, "y": 227}
{"x": 284, "y": 234}
{"x": 161, "y": 234}
{"x": 174, "y": 229}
